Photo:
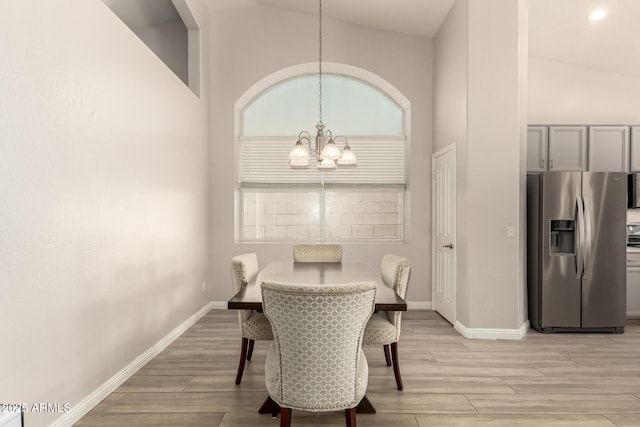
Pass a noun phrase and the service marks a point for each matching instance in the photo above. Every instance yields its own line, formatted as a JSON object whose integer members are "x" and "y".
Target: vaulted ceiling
{"x": 558, "y": 29}
{"x": 419, "y": 17}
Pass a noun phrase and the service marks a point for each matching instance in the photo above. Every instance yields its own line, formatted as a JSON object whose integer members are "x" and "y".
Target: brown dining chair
{"x": 317, "y": 253}
{"x": 384, "y": 327}
{"x": 253, "y": 325}
{"x": 316, "y": 362}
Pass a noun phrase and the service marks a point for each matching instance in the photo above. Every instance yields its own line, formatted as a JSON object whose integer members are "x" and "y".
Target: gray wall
{"x": 251, "y": 43}
{"x": 103, "y": 199}
{"x": 169, "y": 41}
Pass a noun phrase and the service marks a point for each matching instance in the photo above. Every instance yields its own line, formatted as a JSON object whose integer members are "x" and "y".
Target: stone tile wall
{"x": 348, "y": 215}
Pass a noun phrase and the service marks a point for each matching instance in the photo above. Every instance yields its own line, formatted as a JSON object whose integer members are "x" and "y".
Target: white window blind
{"x": 266, "y": 160}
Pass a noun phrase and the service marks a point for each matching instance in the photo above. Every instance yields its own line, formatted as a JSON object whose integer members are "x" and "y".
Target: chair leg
{"x": 285, "y": 417}
{"x": 350, "y": 415}
{"x": 387, "y": 355}
{"x": 250, "y": 351}
{"x": 396, "y": 365}
{"x": 243, "y": 357}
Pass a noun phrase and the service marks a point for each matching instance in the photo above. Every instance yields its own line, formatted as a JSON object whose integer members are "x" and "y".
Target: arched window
{"x": 278, "y": 203}
{"x": 349, "y": 104}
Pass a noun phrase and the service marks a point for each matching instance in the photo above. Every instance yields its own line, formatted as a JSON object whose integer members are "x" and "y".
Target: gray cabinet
{"x": 635, "y": 149}
{"x": 633, "y": 284}
{"x": 567, "y": 148}
{"x": 608, "y": 148}
{"x": 537, "y": 148}
{"x": 633, "y": 292}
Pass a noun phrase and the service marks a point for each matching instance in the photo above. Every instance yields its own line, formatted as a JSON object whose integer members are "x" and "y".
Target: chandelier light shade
{"x": 299, "y": 155}
{"x": 327, "y": 164}
{"x": 330, "y": 151}
{"x": 347, "y": 158}
{"x": 326, "y": 151}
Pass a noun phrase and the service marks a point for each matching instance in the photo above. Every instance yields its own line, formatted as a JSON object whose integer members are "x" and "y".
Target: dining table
{"x": 316, "y": 273}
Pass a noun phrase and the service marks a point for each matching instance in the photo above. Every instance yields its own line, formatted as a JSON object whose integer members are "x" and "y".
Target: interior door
{"x": 443, "y": 265}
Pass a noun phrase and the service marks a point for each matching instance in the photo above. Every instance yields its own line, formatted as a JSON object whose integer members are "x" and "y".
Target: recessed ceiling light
{"x": 597, "y": 15}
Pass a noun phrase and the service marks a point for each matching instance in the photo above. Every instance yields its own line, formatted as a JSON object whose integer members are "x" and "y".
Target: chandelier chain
{"x": 325, "y": 149}
{"x": 320, "y": 60}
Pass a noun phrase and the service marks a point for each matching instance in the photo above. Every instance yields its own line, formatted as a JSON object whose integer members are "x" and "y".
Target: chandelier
{"x": 326, "y": 151}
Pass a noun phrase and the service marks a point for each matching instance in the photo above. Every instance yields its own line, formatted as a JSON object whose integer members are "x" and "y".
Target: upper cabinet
{"x": 567, "y": 148}
{"x": 635, "y": 149}
{"x": 609, "y": 148}
{"x": 583, "y": 148}
{"x": 537, "y": 149}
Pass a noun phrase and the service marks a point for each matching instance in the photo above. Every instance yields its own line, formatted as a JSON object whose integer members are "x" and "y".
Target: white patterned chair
{"x": 317, "y": 253}
{"x": 253, "y": 325}
{"x": 384, "y": 327}
{"x": 316, "y": 362}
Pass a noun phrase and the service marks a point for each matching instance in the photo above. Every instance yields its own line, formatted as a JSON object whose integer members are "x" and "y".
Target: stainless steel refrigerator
{"x": 576, "y": 251}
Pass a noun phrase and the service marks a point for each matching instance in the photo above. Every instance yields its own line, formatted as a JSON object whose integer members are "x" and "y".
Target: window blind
{"x": 381, "y": 160}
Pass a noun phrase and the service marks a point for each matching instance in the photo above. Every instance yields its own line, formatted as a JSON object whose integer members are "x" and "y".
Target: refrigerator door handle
{"x": 580, "y": 235}
{"x": 587, "y": 236}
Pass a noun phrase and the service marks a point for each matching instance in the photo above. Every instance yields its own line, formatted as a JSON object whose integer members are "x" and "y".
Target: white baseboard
{"x": 419, "y": 305}
{"x": 492, "y": 334}
{"x": 633, "y": 314}
{"x": 218, "y": 305}
{"x": 88, "y": 403}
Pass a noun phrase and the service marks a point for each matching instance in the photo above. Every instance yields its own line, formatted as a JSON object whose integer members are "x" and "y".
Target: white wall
{"x": 566, "y": 94}
{"x": 496, "y": 125}
{"x": 450, "y": 125}
{"x": 103, "y": 199}
{"x": 480, "y": 104}
{"x": 251, "y": 43}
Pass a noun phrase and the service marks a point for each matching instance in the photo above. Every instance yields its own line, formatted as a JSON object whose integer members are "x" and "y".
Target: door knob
{"x": 450, "y": 246}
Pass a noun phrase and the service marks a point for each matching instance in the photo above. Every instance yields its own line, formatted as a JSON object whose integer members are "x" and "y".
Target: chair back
{"x": 317, "y": 363}
{"x": 244, "y": 268}
{"x": 395, "y": 271}
{"x": 317, "y": 253}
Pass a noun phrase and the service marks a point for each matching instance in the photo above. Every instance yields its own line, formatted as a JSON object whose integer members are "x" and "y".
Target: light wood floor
{"x": 584, "y": 380}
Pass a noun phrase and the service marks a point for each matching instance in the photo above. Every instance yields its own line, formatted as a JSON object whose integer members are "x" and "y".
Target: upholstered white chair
{"x": 316, "y": 362}
{"x": 253, "y": 325}
{"x": 317, "y": 253}
{"x": 384, "y": 327}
